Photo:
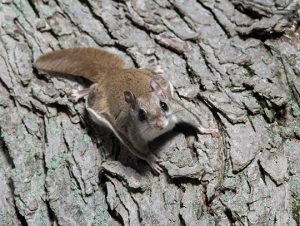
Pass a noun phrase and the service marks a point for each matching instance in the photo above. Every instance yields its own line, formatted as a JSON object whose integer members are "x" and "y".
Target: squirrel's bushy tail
{"x": 89, "y": 63}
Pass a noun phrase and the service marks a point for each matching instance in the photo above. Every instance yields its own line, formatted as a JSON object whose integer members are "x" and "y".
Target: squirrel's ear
{"x": 156, "y": 88}
{"x": 130, "y": 99}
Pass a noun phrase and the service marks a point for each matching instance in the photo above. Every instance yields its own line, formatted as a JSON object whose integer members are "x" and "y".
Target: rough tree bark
{"x": 235, "y": 62}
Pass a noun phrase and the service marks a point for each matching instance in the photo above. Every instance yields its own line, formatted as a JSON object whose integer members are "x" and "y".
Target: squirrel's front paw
{"x": 215, "y": 134}
{"x": 154, "y": 163}
{"x": 74, "y": 96}
{"x": 78, "y": 94}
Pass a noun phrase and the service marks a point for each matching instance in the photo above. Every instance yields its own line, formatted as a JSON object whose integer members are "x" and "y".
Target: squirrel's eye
{"x": 164, "y": 106}
{"x": 142, "y": 115}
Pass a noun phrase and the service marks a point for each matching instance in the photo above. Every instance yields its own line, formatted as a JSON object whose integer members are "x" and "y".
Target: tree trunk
{"x": 234, "y": 62}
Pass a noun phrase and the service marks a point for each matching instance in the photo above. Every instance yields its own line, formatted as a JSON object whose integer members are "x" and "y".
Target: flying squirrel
{"x": 137, "y": 105}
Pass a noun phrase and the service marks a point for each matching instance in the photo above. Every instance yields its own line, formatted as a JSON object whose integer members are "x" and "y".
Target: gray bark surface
{"x": 236, "y": 63}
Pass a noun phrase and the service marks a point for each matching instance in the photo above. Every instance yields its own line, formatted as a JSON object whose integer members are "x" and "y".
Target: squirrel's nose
{"x": 159, "y": 123}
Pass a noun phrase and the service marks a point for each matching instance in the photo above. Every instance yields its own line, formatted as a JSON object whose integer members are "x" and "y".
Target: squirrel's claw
{"x": 154, "y": 163}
